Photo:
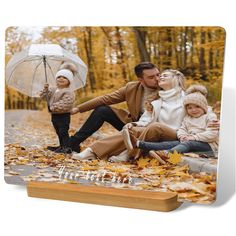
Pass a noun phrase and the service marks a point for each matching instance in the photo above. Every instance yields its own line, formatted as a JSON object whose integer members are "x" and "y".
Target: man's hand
{"x": 214, "y": 125}
{"x": 74, "y": 110}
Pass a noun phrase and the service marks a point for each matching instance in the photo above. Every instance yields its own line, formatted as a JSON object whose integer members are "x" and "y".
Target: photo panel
{"x": 136, "y": 108}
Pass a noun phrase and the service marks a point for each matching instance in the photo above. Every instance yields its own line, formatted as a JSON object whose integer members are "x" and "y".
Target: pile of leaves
{"x": 146, "y": 174}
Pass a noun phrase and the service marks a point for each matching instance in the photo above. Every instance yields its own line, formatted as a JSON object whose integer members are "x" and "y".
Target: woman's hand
{"x": 128, "y": 126}
{"x": 214, "y": 125}
{"x": 74, "y": 110}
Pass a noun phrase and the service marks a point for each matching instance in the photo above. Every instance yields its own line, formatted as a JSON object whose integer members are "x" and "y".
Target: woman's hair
{"x": 179, "y": 78}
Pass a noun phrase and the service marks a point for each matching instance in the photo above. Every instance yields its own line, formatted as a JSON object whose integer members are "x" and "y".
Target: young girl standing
{"x": 60, "y": 102}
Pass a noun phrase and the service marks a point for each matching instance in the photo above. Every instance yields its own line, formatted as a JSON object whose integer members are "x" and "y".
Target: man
{"x": 134, "y": 94}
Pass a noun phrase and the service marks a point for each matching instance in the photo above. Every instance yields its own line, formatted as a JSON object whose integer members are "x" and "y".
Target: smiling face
{"x": 194, "y": 110}
{"x": 150, "y": 78}
{"x": 167, "y": 80}
{"x": 62, "y": 82}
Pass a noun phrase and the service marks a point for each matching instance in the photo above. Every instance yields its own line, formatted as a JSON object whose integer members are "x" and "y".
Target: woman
{"x": 159, "y": 125}
{"x": 167, "y": 113}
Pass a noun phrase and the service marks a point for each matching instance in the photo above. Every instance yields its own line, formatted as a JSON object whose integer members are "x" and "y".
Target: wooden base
{"x": 157, "y": 201}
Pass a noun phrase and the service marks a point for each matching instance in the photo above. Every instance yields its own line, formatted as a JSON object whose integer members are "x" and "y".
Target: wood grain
{"x": 157, "y": 201}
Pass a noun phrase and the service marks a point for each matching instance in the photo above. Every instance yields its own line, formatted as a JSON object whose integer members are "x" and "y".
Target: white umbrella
{"x": 28, "y": 70}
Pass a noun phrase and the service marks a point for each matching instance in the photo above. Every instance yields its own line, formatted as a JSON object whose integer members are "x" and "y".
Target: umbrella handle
{"x": 45, "y": 65}
{"x": 46, "y": 77}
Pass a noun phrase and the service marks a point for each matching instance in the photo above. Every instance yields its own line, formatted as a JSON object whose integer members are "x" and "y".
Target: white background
{"x": 21, "y": 215}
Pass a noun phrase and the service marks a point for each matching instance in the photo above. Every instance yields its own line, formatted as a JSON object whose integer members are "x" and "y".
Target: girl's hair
{"x": 179, "y": 78}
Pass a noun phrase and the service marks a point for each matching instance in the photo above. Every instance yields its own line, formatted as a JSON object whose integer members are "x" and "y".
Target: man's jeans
{"x": 180, "y": 147}
{"x": 94, "y": 122}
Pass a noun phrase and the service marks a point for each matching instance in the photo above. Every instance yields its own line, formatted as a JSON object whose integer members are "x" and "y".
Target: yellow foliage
{"x": 175, "y": 158}
{"x": 111, "y": 54}
{"x": 143, "y": 162}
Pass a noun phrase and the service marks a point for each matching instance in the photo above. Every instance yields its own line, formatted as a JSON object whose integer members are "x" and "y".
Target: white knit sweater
{"x": 197, "y": 127}
{"x": 168, "y": 109}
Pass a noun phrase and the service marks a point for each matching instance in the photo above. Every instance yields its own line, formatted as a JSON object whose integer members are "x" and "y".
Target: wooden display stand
{"x": 156, "y": 201}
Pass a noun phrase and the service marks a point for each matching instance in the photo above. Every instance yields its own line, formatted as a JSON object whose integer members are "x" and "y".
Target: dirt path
{"x": 33, "y": 130}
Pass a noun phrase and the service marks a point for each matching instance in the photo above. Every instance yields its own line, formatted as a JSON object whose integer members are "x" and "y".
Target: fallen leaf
{"x": 13, "y": 173}
{"x": 175, "y": 158}
{"x": 143, "y": 162}
{"x": 154, "y": 162}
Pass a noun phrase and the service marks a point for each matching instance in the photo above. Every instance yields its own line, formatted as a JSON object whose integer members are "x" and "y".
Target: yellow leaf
{"x": 13, "y": 173}
{"x": 180, "y": 174}
{"x": 146, "y": 186}
{"x": 154, "y": 162}
{"x": 72, "y": 182}
{"x": 143, "y": 162}
{"x": 86, "y": 168}
{"x": 175, "y": 158}
{"x": 22, "y": 162}
{"x": 159, "y": 171}
{"x": 184, "y": 168}
{"x": 20, "y": 151}
{"x": 94, "y": 163}
{"x": 114, "y": 169}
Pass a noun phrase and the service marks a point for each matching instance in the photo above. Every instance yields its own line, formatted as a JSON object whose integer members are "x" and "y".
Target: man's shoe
{"x": 74, "y": 144}
{"x": 129, "y": 139}
{"x": 53, "y": 148}
{"x": 75, "y": 148}
{"x": 87, "y": 154}
{"x": 64, "y": 150}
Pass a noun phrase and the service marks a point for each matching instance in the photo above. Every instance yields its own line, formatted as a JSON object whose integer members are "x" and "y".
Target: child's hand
{"x": 182, "y": 138}
{"x": 46, "y": 86}
{"x": 190, "y": 138}
{"x": 185, "y": 138}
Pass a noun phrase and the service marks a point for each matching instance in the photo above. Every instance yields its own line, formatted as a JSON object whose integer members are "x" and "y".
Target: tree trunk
{"x": 121, "y": 55}
{"x": 8, "y": 99}
{"x": 184, "y": 48}
{"x": 202, "y": 62}
{"x": 88, "y": 49}
{"x": 141, "y": 42}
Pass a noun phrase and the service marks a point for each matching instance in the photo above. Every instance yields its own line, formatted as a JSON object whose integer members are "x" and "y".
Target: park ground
{"x": 28, "y": 133}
